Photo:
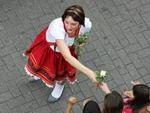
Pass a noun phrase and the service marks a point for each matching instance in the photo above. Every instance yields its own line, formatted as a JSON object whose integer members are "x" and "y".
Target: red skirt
{"x": 48, "y": 64}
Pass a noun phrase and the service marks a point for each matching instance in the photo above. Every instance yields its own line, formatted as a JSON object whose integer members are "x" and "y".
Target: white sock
{"x": 36, "y": 78}
{"x": 57, "y": 91}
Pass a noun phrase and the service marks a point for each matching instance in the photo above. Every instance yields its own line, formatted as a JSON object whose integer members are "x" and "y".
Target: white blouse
{"x": 56, "y": 31}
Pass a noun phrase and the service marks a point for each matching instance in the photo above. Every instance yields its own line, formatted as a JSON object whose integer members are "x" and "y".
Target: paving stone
{"x": 123, "y": 56}
{"x": 3, "y": 16}
{"x": 115, "y": 20}
{"x": 112, "y": 8}
{"x": 77, "y": 109}
{"x": 133, "y": 4}
{"x": 141, "y": 39}
{"x": 136, "y": 16}
{"x": 99, "y": 48}
{"x": 136, "y": 61}
{"x": 145, "y": 1}
{"x": 147, "y": 79}
{"x": 5, "y": 96}
{"x": 147, "y": 34}
{"x": 107, "y": 61}
{"x": 9, "y": 62}
{"x": 3, "y": 88}
{"x": 4, "y": 108}
{"x": 133, "y": 48}
{"x": 146, "y": 18}
{"x": 13, "y": 89}
{"x": 117, "y": 78}
{"x": 118, "y": 2}
{"x": 75, "y": 88}
{"x": 142, "y": 71}
{"x": 144, "y": 9}
{"x": 16, "y": 110}
{"x": 118, "y": 32}
{"x": 132, "y": 71}
{"x": 127, "y": 78}
{"x": 98, "y": 94}
{"x": 124, "y": 12}
{"x": 144, "y": 52}
{"x": 130, "y": 36}
{"x": 44, "y": 109}
{"x": 17, "y": 101}
{"x": 25, "y": 91}
{"x": 105, "y": 26}
{"x": 5, "y": 51}
{"x": 127, "y": 24}
{"x": 29, "y": 107}
{"x": 120, "y": 66}
{"x": 111, "y": 52}
{"x": 139, "y": 28}
{"x": 146, "y": 62}
{"x": 124, "y": 42}
{"x": 86, "y": 91}
{"x": 115, "y": 43}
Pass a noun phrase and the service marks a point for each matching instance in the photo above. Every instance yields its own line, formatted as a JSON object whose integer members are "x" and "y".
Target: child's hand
{"x": 135, "y": 82}
{"x": 105, "y": 87}
{"x": 128, "y": 94}
{"x": 72, "y": 100}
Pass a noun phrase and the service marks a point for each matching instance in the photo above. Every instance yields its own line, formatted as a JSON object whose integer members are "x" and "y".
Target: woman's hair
{"x": 141, "y": 95}
{"x": 113, "y": 103}
{"x": 76, "y": 12}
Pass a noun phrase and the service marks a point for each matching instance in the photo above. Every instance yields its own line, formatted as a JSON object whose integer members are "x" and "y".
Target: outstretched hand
{"x": 128, "y": 94}
{"x": 72, "y": 100}
{"x": 105, "y": 87}
{"x": 135, "y": 82}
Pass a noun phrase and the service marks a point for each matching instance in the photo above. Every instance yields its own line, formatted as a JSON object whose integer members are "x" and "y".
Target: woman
{"x": 52, "y": 56}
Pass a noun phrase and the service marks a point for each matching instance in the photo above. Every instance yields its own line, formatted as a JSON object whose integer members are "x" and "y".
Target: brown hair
{"x": 113, "y": 103}
{"x": 76, "y": 12}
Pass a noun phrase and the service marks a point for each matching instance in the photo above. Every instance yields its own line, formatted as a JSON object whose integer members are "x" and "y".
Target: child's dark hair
{"x": 141, "y": 95}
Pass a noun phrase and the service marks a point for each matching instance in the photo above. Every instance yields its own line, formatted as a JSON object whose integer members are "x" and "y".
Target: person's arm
{"x": 129, "y": 93}
{"x": 71, "y": 102}
{"x": 105, "y": 87}
{"x": 73, "y": 61}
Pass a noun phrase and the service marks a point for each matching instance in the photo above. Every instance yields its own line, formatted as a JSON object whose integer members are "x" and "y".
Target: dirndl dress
{"x": 48, "y": 64}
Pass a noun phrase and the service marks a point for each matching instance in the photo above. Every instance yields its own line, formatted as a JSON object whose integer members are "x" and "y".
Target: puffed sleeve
{"x": 88, "y": 25}
{"x": 57, "y": 29}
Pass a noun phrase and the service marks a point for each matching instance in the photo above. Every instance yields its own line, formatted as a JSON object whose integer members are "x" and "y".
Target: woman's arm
{"x": 73, "y": 61}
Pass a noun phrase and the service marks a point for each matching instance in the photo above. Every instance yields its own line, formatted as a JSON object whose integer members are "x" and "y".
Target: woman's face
{"x": 71, "y": 25}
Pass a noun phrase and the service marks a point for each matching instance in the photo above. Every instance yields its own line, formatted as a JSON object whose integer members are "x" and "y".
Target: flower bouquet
{"x": 80, "y": 40}
{"x": 101, "y": 75}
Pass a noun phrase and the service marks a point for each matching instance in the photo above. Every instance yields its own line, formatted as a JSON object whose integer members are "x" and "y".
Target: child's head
{"x": 113, "y": 103}
{"x": 141, "y": 95}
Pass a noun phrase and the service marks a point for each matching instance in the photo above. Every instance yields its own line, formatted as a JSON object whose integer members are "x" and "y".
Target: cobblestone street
{"x": 119, "y": 44}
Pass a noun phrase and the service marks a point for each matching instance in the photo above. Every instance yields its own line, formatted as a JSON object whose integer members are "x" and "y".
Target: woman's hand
{"x": 92, "y": 76}
{"x": 105, "y": 87}
{"x": 72, "y": 100}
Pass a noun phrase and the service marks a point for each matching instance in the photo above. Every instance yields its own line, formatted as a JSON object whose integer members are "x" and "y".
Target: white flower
{"x": 103, "y": 73}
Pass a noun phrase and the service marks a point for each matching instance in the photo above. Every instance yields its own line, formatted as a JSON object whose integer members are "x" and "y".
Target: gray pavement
{"x": 119, "y": 43}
